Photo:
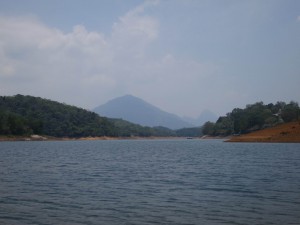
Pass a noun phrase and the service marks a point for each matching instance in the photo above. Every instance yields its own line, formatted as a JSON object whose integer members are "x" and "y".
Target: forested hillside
{"x": 23, "y": 115}
{"x": 127, "y": 129}
{"x": 254, "y": 117}
{"x": 27, "y": 115}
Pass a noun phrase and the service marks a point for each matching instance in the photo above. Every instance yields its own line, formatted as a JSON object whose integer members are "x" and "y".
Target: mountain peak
{"x": 136, "y": 110}
{"x": 127, "y": 98}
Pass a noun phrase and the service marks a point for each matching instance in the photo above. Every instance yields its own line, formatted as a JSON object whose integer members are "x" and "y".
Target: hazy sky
{"x": 183, "y": 56}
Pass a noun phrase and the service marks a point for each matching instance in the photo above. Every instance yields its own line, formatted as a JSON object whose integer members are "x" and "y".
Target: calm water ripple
{"x": 149, "y": 182}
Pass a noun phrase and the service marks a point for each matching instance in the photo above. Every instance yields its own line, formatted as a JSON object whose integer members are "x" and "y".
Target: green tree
{"x": 208, "y": 128}
{"x": 290, "y": 112}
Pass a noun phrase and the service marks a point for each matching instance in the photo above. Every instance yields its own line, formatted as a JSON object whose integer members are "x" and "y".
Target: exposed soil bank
{"x": 287, "y": 132}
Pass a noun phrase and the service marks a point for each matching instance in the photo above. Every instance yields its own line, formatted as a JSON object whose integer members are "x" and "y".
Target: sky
{"x": 183, "y": 56}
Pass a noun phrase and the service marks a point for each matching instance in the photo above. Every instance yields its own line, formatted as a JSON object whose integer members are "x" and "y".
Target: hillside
{"x": 252, "y": 118}
{"x": 138, "y": 111}
{"x": 287, "y": 132}
{"x": 33, "y": 116}
{"x": 128, "y": 129}
{"x": 25, "y": 115}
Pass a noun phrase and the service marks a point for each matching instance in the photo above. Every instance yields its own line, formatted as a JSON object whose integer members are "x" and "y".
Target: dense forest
{"x": 254, "y": 117}
{"x": 27, "y": 115}
{"x": 124, "y": 128}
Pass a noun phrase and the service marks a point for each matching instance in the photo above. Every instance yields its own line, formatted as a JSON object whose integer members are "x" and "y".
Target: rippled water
{"x": 149, "y": 182}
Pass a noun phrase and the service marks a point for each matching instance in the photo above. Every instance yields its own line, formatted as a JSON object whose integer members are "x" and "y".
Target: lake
{"x": 149, "y": 182}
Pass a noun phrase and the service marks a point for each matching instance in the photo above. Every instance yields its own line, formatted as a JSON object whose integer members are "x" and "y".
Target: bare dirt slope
{"x": 287, "y": 132}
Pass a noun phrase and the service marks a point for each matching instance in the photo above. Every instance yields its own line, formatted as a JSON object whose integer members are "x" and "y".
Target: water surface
{"x": 149, "y": 182}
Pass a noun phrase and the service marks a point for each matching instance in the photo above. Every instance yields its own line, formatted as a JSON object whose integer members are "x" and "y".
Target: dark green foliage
{"x": 24, "y": 115}
{"x": 290, "y": 112}
{"x": 13, "y": 124}
{"x": 208, "y": 128}
{"x": 253, "y": 117}
{"x": 223, "y": 126}
{"x": 163, "y": 132}
{"x": 189, "y": 132}
{"x": 127, "y": 129}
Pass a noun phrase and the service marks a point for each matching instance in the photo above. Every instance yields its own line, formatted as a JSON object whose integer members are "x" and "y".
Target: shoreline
{"x": 49, "y": 138}
{"x": 283, "y": 133}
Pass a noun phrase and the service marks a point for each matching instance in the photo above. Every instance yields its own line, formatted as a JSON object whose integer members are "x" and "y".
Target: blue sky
{"x": 182, "y": 56}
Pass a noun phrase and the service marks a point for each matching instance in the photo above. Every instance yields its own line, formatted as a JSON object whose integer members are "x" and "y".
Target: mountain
{"x": 205, "y": 116}
{"x": 138, "y": 111}
{"x": 27, "y": 115}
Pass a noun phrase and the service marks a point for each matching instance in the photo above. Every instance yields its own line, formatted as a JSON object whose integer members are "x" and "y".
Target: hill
{"x": 138, "y": 111}
{"x": 252, "y": 118}
{"x": 287, "y": 132}
{"x": 25, "y": 115}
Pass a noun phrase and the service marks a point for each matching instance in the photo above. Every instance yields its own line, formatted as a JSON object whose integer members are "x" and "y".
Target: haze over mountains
{"x": 138, "y": 111}
{"x": 206, "y": 115}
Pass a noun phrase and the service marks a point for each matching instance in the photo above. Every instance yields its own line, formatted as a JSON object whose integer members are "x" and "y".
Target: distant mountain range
{"x": 205, "y": 116}
{"x": 138, "y": 111}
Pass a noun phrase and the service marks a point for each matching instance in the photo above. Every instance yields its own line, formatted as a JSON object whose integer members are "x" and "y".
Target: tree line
{"x": 27, "y": 115}
{"x": 254, "y": 117}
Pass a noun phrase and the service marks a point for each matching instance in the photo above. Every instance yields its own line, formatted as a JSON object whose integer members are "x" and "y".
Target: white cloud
{"x": 298, "y": 18}
{"x": 134, "y": 32}
{"x": 45, "y": 56}
{"x": 87, "y": 68}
